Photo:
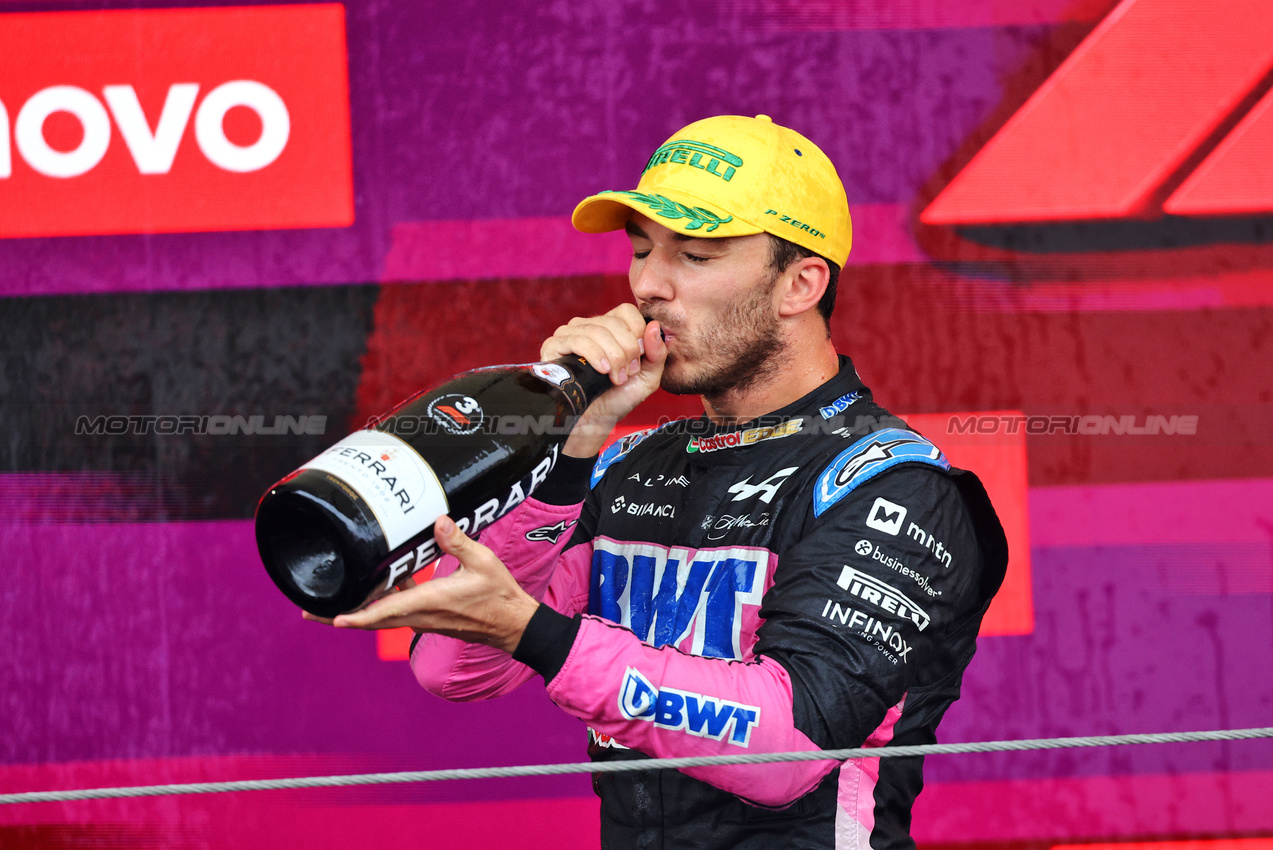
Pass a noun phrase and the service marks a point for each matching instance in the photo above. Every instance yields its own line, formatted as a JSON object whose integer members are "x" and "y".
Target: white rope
{"x": 627, "y": 765}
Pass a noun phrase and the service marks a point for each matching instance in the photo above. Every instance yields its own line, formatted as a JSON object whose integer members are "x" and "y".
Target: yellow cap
{"x": 735, "y": 176}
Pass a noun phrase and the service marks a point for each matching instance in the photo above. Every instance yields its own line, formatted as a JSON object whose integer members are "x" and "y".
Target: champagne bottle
{"x": 349, "y": 524}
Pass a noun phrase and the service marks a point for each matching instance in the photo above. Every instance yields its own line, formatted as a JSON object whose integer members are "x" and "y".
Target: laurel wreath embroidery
{"x": 667, "y": 208}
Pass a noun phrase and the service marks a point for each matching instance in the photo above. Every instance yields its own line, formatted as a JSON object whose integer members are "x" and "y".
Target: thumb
{"x": 455, "y": 542}
{"x": 655, "y": 349}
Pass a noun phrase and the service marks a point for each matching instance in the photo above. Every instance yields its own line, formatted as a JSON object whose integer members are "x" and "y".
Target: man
{"x": 795, "y": 571}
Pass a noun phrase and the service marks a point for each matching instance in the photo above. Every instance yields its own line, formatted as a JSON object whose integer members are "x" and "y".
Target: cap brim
{"x": 679, "y": 211}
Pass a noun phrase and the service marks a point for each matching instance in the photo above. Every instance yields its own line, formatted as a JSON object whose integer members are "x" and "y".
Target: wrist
{"x": 523, "y": 608}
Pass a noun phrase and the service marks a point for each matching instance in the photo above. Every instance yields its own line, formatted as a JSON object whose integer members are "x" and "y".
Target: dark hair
{"x": 783, "y": 253}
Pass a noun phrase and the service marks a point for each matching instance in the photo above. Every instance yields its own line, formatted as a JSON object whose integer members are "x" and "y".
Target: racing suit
{"x": 812, "y": 580}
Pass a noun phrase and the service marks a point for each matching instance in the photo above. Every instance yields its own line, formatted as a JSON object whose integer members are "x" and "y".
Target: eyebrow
{"x": 633, "y": 229}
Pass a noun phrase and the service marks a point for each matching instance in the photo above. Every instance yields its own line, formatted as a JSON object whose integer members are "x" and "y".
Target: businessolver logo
{"x": 1163, "y": 109}
{"x": 174, "y": 120}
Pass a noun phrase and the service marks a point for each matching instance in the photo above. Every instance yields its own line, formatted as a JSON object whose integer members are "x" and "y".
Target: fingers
{"x": 472, "y": 555}
{"x": 612, "y": 344}
{"x": 653, "y": 346}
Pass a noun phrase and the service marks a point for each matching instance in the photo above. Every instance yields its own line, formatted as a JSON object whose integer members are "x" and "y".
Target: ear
{"x": 802, "y": 286}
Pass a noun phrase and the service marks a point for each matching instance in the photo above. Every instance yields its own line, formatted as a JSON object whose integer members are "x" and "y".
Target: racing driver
{"x": 795, "y": 570}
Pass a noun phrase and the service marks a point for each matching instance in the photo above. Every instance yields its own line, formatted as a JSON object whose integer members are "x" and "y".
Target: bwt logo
{"x": 174, "y": 120}
{"x": 666, "y": 595}
{"x": 676, "y": 710}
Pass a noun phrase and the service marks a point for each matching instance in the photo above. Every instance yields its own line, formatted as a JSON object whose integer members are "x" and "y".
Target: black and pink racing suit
{"x": 812, "y": 580}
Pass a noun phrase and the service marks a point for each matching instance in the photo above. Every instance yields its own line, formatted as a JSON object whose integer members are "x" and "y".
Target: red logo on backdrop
{"x": 1162, "y": 109}
{"x": 174, "y": 120}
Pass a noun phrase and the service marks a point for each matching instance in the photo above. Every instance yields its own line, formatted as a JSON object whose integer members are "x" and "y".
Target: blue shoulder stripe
{"x": 615, "y": 452}
{"x": 867, "y": 458}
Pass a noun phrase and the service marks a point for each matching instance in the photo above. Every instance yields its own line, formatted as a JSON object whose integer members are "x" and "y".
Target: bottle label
{"x": 553, "y": 373}
{"x": 395, "y": 482}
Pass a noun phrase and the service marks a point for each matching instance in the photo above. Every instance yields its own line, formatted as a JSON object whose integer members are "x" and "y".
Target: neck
{"x": 797, "y": 371}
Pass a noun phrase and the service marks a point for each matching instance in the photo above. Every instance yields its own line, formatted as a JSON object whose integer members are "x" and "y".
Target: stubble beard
{"x": 743, "y": 349}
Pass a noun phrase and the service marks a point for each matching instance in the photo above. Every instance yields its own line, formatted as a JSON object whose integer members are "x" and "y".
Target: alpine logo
{"x": 1150, "y": 143}
{"x": 886, "y": 516}
{"x": 867, "y": 458}
{"x": 549, "y": 533}
{"x": 245, "y": 109}
{"x": 766, "y": 489}
{"x": 685, "y": 711}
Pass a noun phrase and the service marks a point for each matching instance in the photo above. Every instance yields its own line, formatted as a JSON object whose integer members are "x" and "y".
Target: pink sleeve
{"x": 670, "y": 704}
{"x": 545, "y": 569}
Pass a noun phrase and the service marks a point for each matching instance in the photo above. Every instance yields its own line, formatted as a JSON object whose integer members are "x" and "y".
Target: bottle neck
{"x": 589, "y": 384}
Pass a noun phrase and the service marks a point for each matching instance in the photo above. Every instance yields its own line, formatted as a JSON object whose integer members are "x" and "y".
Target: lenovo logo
{"x": 152, "y": 150}
{"x": 1164, "y": 108}
{"x": 172, "y": 120}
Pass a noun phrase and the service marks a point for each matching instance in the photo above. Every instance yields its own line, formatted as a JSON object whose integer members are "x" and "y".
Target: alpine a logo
{"x": 1166, "y": 99}
{"x": 245, "y": 109}
{"x": 685, "y": 711}
{"x": 766, "y": 489}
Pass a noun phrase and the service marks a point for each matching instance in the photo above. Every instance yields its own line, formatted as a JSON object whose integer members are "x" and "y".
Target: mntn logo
{"x": 886, "y": 516}
{"x": 676, "y": 710}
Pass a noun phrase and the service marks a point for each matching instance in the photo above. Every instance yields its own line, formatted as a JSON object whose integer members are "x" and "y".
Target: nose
{"x": 651, "y": 278}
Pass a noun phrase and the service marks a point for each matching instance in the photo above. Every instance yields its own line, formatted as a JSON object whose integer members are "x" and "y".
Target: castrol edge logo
{"x": 174, "y": 120}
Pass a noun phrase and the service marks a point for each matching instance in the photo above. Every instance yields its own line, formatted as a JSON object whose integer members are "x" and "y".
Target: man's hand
{"x": 621, "y": 345}
{"x": 480, "y": 602}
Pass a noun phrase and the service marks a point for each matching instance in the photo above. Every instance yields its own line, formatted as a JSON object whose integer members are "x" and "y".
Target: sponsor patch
{"x": 867, "y": 458}
{"x": 694, "y": 599}
{"x": 750, "y": 437}
{"x": 766, "y": 489}
{"x": 867, "y": 549}
{"x": 685, "y": 711}
{"x": 931, "y": 543}
{"x": 174, "y": 120}
{"x": 883, "y": 596}
{"x": 884, "y": 637}
{"x": 658, "y": 480}
{"x": 886, "y": 516}
{"x": 549, "y": 533}
{"x": 840, "y": 404}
